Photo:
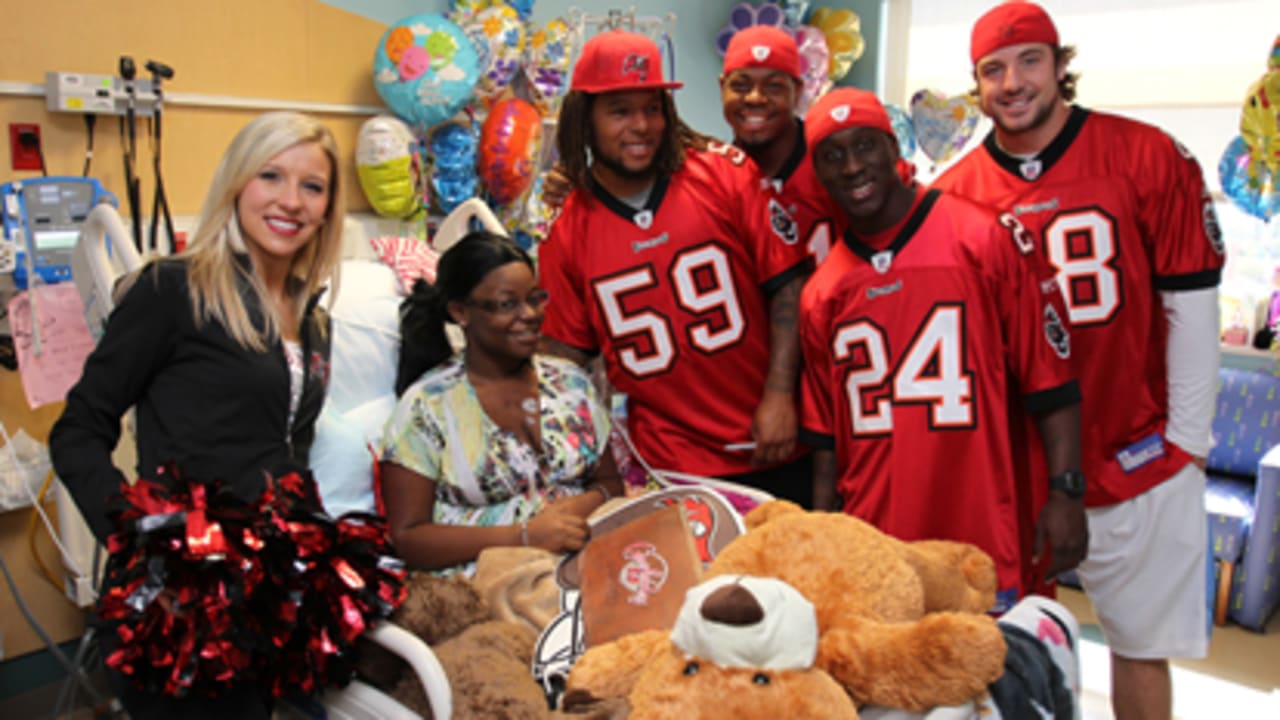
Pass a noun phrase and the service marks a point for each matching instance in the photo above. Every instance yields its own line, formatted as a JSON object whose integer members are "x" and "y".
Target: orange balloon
{"x": 398, "y": 40}
{"x": 508, "y": 149}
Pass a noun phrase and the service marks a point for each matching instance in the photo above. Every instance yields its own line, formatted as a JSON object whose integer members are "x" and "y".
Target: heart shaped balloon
{"x": 1258, "y": 195}
{"x": 943, "y": 125}
{"x": 814, "y": 63}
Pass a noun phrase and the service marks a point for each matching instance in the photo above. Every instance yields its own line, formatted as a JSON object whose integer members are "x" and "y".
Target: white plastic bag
{"x": 20, "y": 482}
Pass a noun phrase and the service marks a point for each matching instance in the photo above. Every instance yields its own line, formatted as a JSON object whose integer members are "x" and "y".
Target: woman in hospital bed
{"x": 495, "y": 446}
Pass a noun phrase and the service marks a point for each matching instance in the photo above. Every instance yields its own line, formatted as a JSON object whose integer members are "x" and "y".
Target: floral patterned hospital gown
{"x": 485, "y": 475}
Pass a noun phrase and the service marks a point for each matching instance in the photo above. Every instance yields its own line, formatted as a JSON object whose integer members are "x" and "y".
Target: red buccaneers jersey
{"x": 818, "y": 218}
{"x": 675, "y": 298}
{"x": 1120, "y": 211}
{"x": 909, "y": 351}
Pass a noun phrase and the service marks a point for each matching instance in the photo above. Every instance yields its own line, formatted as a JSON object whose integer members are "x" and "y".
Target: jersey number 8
{"x": 1082, "y": 248}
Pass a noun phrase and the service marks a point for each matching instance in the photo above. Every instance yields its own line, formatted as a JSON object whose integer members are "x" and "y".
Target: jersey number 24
{"x": 931, "y": 372}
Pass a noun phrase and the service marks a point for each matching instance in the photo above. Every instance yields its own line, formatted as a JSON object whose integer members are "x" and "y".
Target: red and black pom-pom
{"x": 206, "y": 591}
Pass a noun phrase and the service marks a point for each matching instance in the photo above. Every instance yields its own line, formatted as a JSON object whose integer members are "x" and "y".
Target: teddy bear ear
{"x": 762, "y": 514}
{"x": 610, "y": 670}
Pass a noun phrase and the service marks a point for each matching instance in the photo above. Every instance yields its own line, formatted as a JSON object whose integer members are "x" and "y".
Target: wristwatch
{"x": 1071, "y": 483}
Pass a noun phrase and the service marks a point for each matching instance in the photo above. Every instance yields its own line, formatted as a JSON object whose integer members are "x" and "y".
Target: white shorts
{"x": 1146, "y": 570}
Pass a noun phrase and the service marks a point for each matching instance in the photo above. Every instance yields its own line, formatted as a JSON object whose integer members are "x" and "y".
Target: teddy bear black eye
{"x": 760, "y": 679}
{"x": 691, "y": 668}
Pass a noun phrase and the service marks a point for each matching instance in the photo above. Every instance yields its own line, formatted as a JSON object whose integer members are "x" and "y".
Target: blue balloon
{"x": 453, "y": 178}
{"x": 903, "y": 128}
{"x": 1259, "y": 198}
{"x": 453, "y": 145}
{"x": 425, "y": 69}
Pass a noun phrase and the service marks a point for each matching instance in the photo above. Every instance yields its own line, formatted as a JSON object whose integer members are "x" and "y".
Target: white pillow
{"x": 364, "y": 352}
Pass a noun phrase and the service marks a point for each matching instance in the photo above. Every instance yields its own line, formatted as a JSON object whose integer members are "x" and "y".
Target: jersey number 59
{"x": 703, "y": 285}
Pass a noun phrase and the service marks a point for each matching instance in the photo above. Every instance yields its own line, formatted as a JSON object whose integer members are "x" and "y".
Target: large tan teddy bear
{"x": 742, "y": 647}
{"x": 900, "y": 624}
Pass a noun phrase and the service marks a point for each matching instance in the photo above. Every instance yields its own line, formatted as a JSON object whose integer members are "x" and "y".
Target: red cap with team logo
{"x": 844, "y": 107}
{"x": 619, "y": 60}
{"x": 762, "y": 46}
{"x": 1011, "y": 23}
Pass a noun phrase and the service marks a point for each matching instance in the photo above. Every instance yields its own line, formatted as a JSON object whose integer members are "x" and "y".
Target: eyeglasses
{"x": 535, "y": 300}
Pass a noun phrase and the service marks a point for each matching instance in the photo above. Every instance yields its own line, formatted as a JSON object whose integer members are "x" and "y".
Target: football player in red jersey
{"x": 760, "y": 88}
{"x": 1120, "y": 211}
{"x": 676, "y": 267}
{"x": 915, "y": 330}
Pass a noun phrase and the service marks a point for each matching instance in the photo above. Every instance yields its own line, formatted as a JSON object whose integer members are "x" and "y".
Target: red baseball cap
{"x": 619, "y": 60}
{"x": 762, "y": 46}
{"x": 844, "y": 107}
{"x": 1011, "y": 23}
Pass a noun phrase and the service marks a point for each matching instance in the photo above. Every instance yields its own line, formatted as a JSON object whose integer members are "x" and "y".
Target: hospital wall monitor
{"x": 42, "y": 219}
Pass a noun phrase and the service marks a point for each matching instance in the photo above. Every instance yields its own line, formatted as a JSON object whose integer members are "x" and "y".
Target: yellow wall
{"x": 297, "y": 50}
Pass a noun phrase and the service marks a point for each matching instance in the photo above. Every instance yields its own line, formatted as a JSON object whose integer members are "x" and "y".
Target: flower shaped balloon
{"x": 843, "y": 30}
{"x": 745, "y": 15}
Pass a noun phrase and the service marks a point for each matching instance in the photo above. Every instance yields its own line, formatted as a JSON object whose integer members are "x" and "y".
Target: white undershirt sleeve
{"x": 1192, "y": 357}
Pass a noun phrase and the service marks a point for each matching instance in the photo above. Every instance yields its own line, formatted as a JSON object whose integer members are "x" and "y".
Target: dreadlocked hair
{"x": 574, "y": 137}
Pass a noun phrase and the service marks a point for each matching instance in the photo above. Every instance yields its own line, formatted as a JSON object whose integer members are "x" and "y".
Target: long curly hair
{"x": 575, "y": 138}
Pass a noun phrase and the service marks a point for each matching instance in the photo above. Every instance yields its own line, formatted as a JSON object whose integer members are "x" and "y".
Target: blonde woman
{"x": 221, "y": 348}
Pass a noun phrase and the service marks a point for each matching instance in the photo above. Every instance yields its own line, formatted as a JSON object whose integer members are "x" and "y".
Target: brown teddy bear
{"x": 900, "y": 624}
{"x": 486, "y": 660}
{"x": 742, "y": 647}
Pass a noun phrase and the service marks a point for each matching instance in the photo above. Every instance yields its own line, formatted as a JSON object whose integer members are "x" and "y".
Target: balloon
{"x": 453, "y": 176}
{"x": 902, "y": 127}
{"x": 814, "y": 61}
{"x": 425, "y": 69}
{"x": 794, "y": 11}
{"x": 503, "y": 32}
{"x": 942, "y": 125}
{"x": 546, "y": 65}
{"x": 385, "y": 167}
{"x": 1260, "y": 119}
{"x": 1260, "y": 196}
{"x": 462, "y": 10}
{"x": 744, "y": 15}
{"x": 508, "y": 146}
{"x": 843, "y": 29}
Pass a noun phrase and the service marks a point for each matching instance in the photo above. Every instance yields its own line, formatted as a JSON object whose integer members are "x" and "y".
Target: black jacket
{"x": 211, "y": 407}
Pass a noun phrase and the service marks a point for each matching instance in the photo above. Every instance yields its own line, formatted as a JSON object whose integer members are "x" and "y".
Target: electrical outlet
{"x": 24, "y": 157}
